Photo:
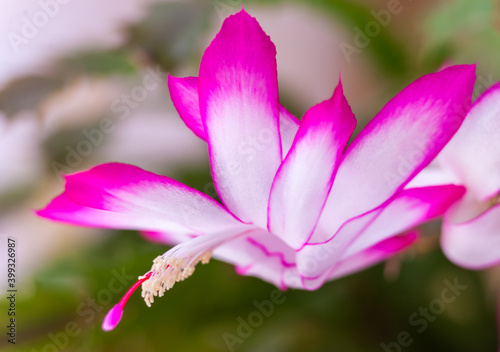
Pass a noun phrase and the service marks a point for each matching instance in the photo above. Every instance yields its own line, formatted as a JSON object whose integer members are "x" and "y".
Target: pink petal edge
{"x": 401, "y": 140}
{"x": 239, "y": 107}
{"x": 303, "y": 181}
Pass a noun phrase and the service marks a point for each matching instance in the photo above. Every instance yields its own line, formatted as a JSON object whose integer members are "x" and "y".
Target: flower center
{"x": 167, "y": 270}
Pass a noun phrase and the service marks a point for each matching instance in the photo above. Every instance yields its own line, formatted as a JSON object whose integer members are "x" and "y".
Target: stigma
{"x": 115, "y": 314}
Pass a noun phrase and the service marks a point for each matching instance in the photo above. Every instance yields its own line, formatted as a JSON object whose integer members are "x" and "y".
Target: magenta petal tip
{"x": 113, "y": 317}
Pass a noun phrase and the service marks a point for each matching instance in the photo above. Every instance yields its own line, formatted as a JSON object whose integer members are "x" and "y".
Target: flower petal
{"x": 314, "y": 260}
{"x": 305, "y": 177}
{"x": 258, "y": 254}
{"x": 64, "y": 209}
{"x": 473, "y": 244}
{"x": 184, "y": 95}
{"x": 169, "y": 238}
{"x": 409, "y": 208}
{"x": 124, "y": 196}
{"x": 373, "y": 255}
{"x": 472, "y": 154}
{"x": 239, "y": 107}
{"x": 399, "y": 142}
{"x": 363, "y": 260}
{"x": 433, "y": 175}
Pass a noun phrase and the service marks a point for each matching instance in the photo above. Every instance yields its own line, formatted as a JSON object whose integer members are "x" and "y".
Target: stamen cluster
{"x": 167, "y": 270}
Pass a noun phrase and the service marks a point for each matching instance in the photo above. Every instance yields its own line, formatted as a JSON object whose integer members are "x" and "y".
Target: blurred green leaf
{"x": 385, "y": 48}
{"x": 102, "y": 63}
{"x": 463, "y": 31}
{"x": 171, "y": 34}
{"x": 456, "y": 18}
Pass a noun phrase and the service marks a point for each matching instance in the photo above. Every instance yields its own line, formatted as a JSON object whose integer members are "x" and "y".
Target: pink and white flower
{"x": 471, "y": 229}
{"x": 299, "y": 208}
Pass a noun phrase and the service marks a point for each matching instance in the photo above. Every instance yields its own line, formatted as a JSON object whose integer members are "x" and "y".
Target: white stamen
{"x": 179, "y": 262}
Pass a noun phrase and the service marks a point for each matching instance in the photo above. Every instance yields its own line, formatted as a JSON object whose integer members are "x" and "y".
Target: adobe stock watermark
{"x": 420, "y": 319}
{"x": 33, "y": 23}
{"x": 246, "y": 326}
{"x": 363, "y": 36}
{"x": 87, "y": 311}
{"x": 122, "y": 106}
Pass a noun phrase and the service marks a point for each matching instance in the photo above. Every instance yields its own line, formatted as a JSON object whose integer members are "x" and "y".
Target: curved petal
{"x": 239, "y": 107}
{"x": 433, "y": 175}
{"x": 472, "y": 154}
{"x": 184, "y": 94}
{"x": 64, "y": 209}
{"x": 399, "y": 142}
{"x": 363, "y": 260}
{"x": 305, "y": 177}
{"x": 467, "y": 208}
{"x": 258, "y": 254}
{"x": 269, "y": 269}
{"x": 409, "y": 208}
{"x": 124, "y": 196}
{"x": 170, "y": 238}
{"x": 473, "y": 244}
{"x": 373, "y": 255}
{"x": 314, "y": 260}
{"x": 267, "y": 257}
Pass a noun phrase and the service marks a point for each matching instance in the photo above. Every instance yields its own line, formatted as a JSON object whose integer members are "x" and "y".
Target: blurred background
{"x": 67, "y": 68}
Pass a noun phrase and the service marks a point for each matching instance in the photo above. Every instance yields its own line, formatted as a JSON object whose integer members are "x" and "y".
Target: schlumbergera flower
{"x": 299, "y": 208}
{"x": 471, "y": 227}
